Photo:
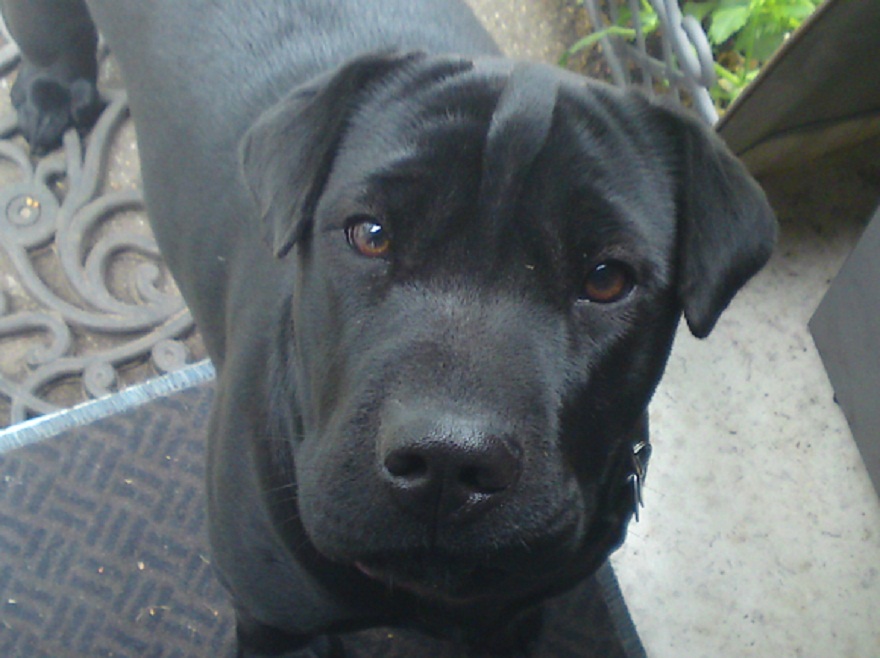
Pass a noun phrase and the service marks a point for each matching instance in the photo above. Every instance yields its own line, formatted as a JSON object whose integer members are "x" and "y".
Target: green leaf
{"x": 767, "y": 44}
{"x": 797, "y": 11}
{"x": 698, "y": 10}
{"x": 648, "y": 19}
{"x": 726, "y": 22}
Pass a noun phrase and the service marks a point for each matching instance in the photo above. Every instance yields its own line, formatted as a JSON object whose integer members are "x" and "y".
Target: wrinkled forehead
{"x": 498, "y": 127}
{"x": 430, "y": 118}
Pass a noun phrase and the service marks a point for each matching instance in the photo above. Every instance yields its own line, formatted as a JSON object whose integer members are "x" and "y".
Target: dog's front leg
{"x": 56, "y": 84}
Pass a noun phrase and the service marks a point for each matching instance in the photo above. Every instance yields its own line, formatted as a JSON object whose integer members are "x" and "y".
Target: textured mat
{"x": 103, "y": 548}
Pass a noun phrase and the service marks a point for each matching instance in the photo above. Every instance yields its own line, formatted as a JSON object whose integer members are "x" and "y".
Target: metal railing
{"x": 684, "y": 63}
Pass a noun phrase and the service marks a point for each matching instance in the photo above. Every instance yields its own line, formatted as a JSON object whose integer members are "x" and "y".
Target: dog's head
{"x": 489, "y": 264}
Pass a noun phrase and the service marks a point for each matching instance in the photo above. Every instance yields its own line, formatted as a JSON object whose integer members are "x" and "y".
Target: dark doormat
{"x": 103, "y": 548}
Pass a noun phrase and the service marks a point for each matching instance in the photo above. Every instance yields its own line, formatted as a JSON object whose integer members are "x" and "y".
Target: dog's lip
{"x": 473, "y": 585}
{"x": 393, "y": 581}
{"x": 372, "y": 574}
{"x": 461, "y": 579}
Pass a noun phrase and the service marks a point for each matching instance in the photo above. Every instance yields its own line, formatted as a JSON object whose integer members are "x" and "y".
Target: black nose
{"x": 447, "y": 468}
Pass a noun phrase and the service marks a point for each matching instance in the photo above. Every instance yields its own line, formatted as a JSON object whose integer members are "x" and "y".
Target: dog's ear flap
{"x": 287, "y": 155}
{"x": 726, "y": 228}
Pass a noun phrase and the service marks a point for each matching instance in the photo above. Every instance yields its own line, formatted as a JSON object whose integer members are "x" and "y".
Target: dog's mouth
{"x": 456, "y": 580}
{"x": 435, "y": 578}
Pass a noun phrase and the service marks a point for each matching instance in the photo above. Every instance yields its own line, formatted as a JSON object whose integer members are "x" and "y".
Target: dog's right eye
{"x": 368, "y": 237}
{"x": 608, "y": 282}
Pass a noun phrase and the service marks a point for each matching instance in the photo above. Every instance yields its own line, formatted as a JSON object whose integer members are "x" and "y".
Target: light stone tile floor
{"x": 761, "y": 532}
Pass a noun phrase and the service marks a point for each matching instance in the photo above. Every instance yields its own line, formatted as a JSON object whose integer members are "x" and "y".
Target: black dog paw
{"x": 47, "y": 105}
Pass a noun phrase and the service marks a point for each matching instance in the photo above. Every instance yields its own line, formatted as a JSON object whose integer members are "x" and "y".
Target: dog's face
{"x": 489, "y": 266}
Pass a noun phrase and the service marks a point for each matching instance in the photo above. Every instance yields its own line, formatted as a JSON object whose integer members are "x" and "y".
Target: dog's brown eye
{"x": 608, "y": 282}
{"x": 368, "y": 237}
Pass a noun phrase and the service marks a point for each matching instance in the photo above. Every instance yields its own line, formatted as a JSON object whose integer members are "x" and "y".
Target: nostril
{"x": 406, "y": 464}
{"x": 484, "y": 480}
{"x": 444, "y": 467}
{"x": 487, "y": 470}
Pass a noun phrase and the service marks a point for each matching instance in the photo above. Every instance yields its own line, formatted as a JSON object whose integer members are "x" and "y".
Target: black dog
{"x": 428, "y": 400}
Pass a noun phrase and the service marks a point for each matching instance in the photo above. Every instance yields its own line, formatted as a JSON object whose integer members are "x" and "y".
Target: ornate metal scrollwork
{"x": 86, "y": 304}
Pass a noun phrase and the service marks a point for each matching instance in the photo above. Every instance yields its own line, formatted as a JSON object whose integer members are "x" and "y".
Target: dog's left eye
{"x": 608, "y": 282}
{"x": 368, "y": 237}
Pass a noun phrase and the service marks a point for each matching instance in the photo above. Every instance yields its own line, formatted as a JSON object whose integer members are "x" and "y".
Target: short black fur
{"x": 443, "y": 436}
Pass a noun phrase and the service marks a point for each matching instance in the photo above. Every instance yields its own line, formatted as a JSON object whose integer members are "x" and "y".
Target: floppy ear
{"x": 726, "y": 228}
{"x": 287, "y": 155}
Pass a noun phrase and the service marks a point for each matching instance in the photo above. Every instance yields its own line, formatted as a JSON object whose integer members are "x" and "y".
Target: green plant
{"x": 622, "y": 28}
{"x": 743, "y": 34}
